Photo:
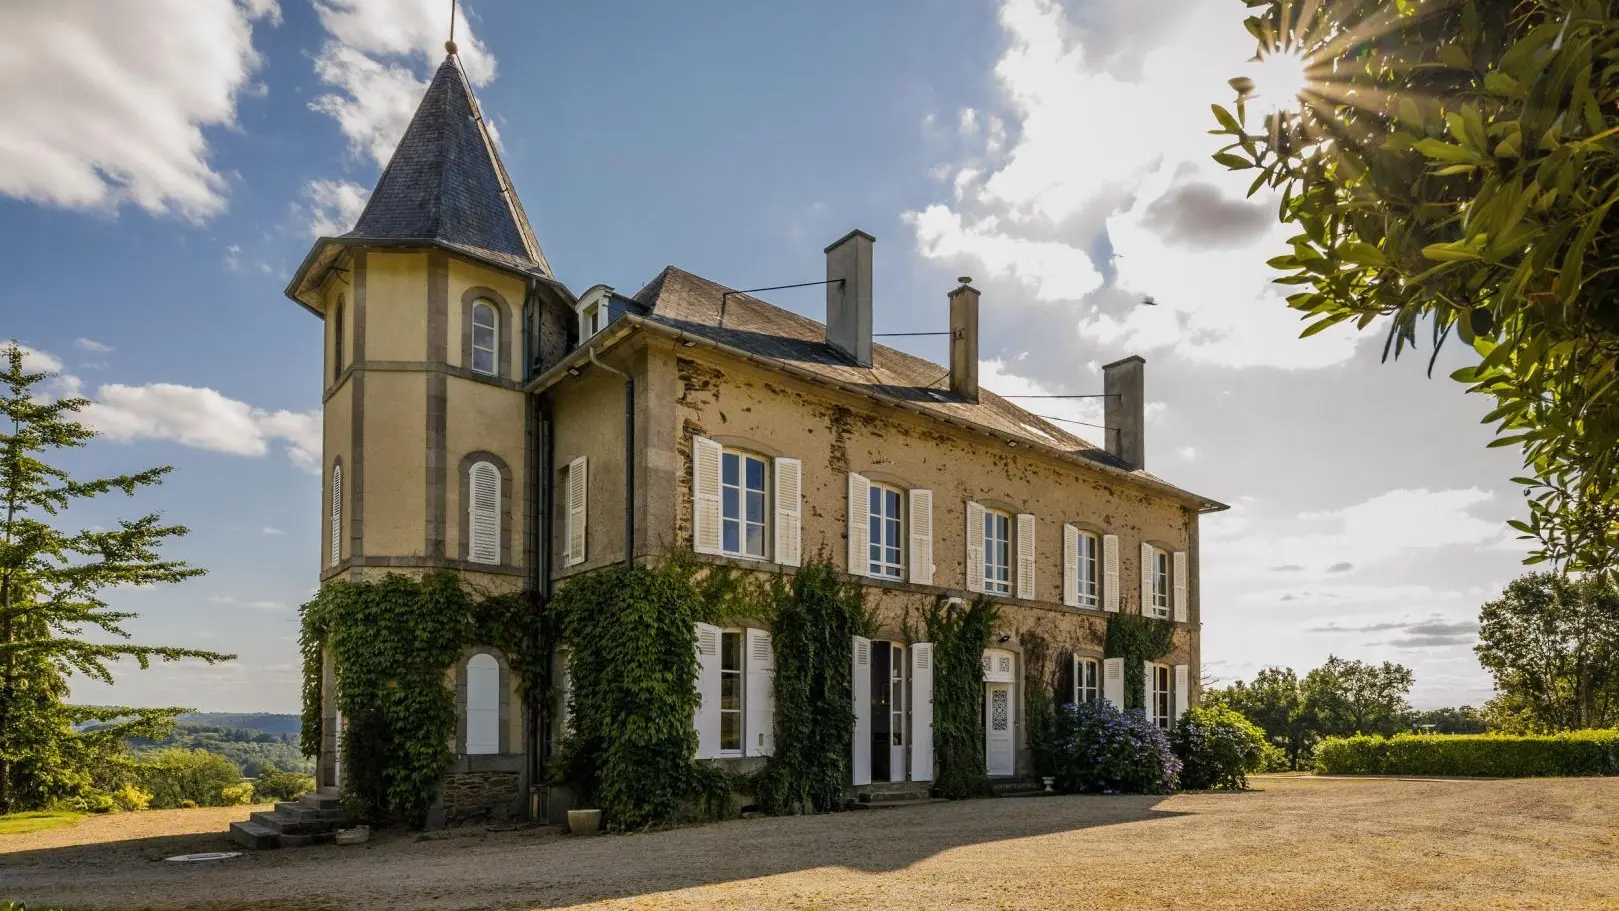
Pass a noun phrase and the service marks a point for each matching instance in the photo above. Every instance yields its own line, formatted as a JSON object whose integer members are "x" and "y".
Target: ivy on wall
{"x": 816, "y": 615}
{"x": 391, "y": 642}
{"x": 1040, "y": 699}
{"x": 959, "y": 636}
{"x": 1137, "y": 640}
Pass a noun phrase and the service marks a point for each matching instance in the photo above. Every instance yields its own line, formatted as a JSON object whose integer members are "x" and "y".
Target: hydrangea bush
{"x": 1097, "y": 748}
{"x": 1217, "y": 748}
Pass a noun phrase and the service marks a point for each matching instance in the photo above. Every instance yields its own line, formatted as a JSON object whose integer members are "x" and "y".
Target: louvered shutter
{"x": 789, "y": 511}
{"x": 922, "y": 711}
{"x": 859, "y": 525}
{"x": 1180, "y": 586}
{"x": 578, "y": 488}
{"x": 705, "y": 495}
{"x": 1113, "y": 681}
{"x": 1149, "y": 688}
{"x": 708, "y": 691}
{"x": 1070, "y": 565}
{"x": 861, "y": 672}
{"x": 1147, "y": 609}
{"x": 1183, "y": 691}
{"x": 483, "y": 513}
{"x": 975, "y": 547}
{"x": 921, "y": 518}
{"x": 1110, "y": 573}
{"x": 761, "y": 694}
{"x": 1025, "y": 556}
{"x": 337, "y": 514}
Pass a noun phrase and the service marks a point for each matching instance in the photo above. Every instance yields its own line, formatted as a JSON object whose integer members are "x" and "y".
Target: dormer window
{"x": 590, "y": 321}
{"x": 485, "y": 338}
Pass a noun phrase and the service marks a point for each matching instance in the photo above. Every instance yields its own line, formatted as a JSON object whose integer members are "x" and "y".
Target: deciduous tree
{"x": 1552, "y": 644}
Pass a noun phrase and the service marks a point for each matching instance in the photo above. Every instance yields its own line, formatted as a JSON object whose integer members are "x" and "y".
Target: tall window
{"x": 337, "y": 339}
{"x": 896, "y": 694}
{"x": 483, "y": 513}
{"x": 997, "y": 552}
{"x": 742, "y": 504}
{"x": 887, "y": 529}
{"x": 337, "y": 513}
{"x": 1087, "y": 680}
{"x": 1160, "y": 583}
{"x": 731, "y": 691}
{"x": 1090, "y": 570}
{"x": 1160, "y": 696}
{"x": 485, "y": 338}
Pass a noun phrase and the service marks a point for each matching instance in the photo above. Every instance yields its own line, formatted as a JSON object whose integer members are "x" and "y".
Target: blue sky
{"x": 157, "y": 192}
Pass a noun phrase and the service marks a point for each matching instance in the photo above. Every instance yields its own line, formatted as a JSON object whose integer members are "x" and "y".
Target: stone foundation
{"x": 470, "y": 798}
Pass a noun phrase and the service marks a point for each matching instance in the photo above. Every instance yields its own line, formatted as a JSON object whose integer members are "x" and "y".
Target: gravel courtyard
{"x": 1295, "y": 843}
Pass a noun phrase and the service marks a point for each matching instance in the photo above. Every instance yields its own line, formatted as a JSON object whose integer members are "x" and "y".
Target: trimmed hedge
{"x": 1593, "y": 752}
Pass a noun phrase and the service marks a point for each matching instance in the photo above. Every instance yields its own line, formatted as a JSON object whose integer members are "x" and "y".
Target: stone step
{"x": 885, "y": 798}
{"x": 252, "y": 835}
{"x": 324, "y": 799}
{"x": 286, "y": 825}
{"x": 303, "y": 813}
{"x": 304, "y": 841}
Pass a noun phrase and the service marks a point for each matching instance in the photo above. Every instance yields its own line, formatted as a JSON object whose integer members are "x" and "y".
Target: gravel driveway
{"x": 1294, "y": 843}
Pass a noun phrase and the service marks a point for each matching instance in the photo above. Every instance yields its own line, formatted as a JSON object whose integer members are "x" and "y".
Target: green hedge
{"x": 1490, "y": 755}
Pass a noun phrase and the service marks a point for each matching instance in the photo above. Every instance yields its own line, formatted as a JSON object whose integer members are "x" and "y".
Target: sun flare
{"x": 1279, "y": 77}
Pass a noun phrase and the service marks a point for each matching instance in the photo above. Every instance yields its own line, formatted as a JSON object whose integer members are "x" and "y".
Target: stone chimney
{"x": 848, "y": 303}
{"x": 964, "y": 341}
{"x": 1124, "y": 384}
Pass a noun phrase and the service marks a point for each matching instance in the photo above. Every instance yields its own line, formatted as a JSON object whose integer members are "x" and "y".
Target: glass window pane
{"x": 731, "y": 730}
{"x": 731, "y": 503}
{"x": 756, "y": 540}
{"x": 756, "y": 474}
{"x": 730, "y": 691}
{"x": 733, "y": 538}
{"x": 483, "y": 336}
{"x": 756, "y": 506}
{"x": 730, "y": 651}
{"x": 876, "y": 501}
{"x": 730, "y": 471}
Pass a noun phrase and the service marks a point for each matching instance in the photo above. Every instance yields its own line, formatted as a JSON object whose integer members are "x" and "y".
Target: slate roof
{"x": 688, "y": 302}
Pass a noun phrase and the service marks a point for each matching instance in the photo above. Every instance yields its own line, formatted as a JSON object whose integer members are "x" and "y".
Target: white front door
{"x": 998, "y": 750}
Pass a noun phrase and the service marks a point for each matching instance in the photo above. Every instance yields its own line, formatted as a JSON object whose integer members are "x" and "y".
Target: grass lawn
{"x": 21, "y": 823}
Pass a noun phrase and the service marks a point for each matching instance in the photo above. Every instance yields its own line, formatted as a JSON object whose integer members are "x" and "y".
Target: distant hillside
{"x": 261, "y": 721}
{"x": 251, "y": 750}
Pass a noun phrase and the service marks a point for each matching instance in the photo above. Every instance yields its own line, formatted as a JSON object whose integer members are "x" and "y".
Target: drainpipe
{"x": 629, "y": 458}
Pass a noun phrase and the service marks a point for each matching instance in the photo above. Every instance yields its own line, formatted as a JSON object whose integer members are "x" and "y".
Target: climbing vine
{"x": 391, "y": 642}
{"x": 816, "y": 615}
{"x": 1137, "y": 640}
{"x": 1039, "y": 700}
{"x": 959, "y": 636}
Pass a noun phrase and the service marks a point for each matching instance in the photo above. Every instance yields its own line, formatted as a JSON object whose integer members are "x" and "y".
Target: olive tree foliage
{"x": 1451, "y": 166}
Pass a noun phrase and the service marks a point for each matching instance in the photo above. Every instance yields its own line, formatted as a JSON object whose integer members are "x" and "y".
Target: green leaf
{"x": 1448, "y": 253}
{"x": 1444, "y": 151}
{"x": 1234, "y": 162}
{"x": 1225, "y": 118}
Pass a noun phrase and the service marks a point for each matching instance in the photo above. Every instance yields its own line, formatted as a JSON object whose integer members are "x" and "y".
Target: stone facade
{"x": 482, "y": 798}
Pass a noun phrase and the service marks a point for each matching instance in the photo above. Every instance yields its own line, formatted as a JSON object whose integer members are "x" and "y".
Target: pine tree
{"x": 50, "y": 582}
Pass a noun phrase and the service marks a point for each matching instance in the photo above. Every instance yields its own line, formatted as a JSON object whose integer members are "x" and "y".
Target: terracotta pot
{"x": 585, "y": 822}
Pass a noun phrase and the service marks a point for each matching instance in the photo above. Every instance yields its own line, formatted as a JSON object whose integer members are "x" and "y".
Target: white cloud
{"x": 106, "y": 103}
{"x": 33, "y": 359}
{"x": 250, "y": 605}
{"x": 1124, "y": 157}
{"x": 90, "y": 344}
{"x": 968, "y": 122}
{"x": 203, "y": 419}
{"x": 333, "y": 206}
{"x": 371, "y": 63}
{"x": 272, "y": 530}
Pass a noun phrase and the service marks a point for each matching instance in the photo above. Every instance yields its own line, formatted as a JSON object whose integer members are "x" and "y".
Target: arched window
{"x": 337, "y": 513}
{"x": 337, "y": 339}
{"x": 483, "y": 513}
{"x": 485, "y": 338}
{"x": 483, "y": 704}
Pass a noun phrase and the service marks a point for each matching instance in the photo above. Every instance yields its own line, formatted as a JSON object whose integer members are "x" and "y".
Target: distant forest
{"x": 252, "y": 741}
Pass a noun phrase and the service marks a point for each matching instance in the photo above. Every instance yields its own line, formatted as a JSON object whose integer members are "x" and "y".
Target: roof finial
{"x": 449, "y": 46}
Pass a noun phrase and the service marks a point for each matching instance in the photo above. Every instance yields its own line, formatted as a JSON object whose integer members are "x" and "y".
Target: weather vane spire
{"x": 449, "y": 46}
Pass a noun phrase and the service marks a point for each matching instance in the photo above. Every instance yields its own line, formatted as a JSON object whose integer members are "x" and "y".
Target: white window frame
{"x": 998, "y": 584}
{"x": 1089, "y": 570}
{"x": 493, "y": 350}
{"x": 877, "y": 546}
{"x": 590, "y": 320}
{"x": 1087, "y": 690}
{"x": 1160, "y": 693}
{"x": 738, "y": 636}
{"x": 1161, "y": 573}
{"x": 898, "y": 701}
{"x": 740, "y": 520}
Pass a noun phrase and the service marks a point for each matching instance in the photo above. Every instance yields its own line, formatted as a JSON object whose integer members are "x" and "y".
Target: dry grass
{"x": 1293, "y": 844}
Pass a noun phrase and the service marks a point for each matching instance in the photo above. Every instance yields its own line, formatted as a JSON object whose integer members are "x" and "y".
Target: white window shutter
{"x": 859, "y": 525}
{"x": 578, "y": 487}
{"x": 708, "y": 691}
{"x": 1075, "y": 673}
{"x": 483, "y": 705}
{"x": 975, "y": 547}
{"x": 789, "y": 511}
{"x": 337, "y": 514}
{"x": 761, "y": 694}
{"x": 921, "y": 518}
{"x": 1179, "y": 570}
{"x": 1113, "y": 681}
{"x": 705, "y": 496}
{"x": 1070, "y": 565}
{"x": 1110, "y": 573}
{"x": 1146, "y": 580}
{"x": 483, "y": 513}
{"x": 861, "y": 673}
{"x": 922, "y": 711}
{"x": 1183, "y": 690}
{"x": 1025, "y": 556}
{"x": 1149, "y": 687}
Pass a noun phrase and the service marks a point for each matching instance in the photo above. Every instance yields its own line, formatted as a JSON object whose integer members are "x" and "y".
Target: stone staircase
{"x": 891, "y": 794}
{"x": 312, "y": 819}
{"x": 1016, "y": 787}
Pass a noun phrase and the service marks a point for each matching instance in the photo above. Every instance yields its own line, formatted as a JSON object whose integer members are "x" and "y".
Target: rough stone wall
{"x": 481, "y": 798}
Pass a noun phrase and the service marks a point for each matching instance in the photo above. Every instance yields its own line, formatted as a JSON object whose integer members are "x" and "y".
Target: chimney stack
{"x": 1124, "y": 384}
{"x": 964, "y": 340}
{"x": 848, "y": 303}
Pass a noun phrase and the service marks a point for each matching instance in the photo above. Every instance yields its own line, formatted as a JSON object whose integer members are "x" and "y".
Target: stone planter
{"x": 585, "y": 822}
{"x": 1048, "y": 782}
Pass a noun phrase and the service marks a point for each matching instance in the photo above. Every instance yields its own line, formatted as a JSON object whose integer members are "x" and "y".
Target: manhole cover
{"x": 206, "y": 855}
